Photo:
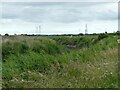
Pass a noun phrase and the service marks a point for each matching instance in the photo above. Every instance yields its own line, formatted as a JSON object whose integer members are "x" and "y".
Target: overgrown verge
{"x": 51, "y": 60}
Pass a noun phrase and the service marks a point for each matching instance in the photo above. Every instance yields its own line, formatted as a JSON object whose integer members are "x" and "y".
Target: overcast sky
{"x": 58, "y": 17}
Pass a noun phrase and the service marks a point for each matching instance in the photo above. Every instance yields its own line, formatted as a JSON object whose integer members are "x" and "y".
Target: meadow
{"x": 60, "y": 61}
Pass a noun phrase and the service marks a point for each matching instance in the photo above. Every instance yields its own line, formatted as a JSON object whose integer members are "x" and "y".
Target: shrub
{"x": 13, "y": 48}
{"x": 53, "y": 49}
{"x": 6, "y": 34}
{"x": 6, "y": 49}
{"x": 81, "y": 34}
{"x": 22, "y": 47}
{"x": 50, "y": 48}
{"x": 102, "y": 36}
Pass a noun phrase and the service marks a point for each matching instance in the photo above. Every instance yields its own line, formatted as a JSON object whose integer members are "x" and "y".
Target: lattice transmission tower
{"x": 86, "y": 30}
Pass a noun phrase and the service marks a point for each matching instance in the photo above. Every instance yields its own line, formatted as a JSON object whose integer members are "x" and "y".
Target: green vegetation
{"x": 60, "y": 61}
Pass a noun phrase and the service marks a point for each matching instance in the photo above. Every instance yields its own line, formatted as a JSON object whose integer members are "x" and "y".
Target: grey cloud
{"x": 55, "y": 12}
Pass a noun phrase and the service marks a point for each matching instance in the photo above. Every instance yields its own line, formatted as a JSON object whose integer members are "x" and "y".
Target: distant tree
{"x": 105, "y": 32}
{"x": 6, "y": 34}
{"x": 23, "y": 34}
{"x": 118, "y": 32}
{"x": 94, "y": 34}
{"x": 81, "y": 34}
{"x": 15, "y": 34}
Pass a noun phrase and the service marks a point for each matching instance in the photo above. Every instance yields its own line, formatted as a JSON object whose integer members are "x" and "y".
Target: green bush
{"x": 47, "y": 47}
{"x": 13, "y": 48}
{"x": 102, "y": 36}
{"x": 6, "y": 49}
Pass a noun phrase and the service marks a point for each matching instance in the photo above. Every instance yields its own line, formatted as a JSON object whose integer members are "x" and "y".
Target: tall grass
{"x": 48, "y": 62}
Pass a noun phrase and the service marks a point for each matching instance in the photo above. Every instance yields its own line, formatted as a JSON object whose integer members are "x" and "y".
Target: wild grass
{"x": 46, "y": 62}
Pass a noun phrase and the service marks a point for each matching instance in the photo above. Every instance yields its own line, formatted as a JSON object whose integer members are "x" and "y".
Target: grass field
{"x": 60, "y": 61}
